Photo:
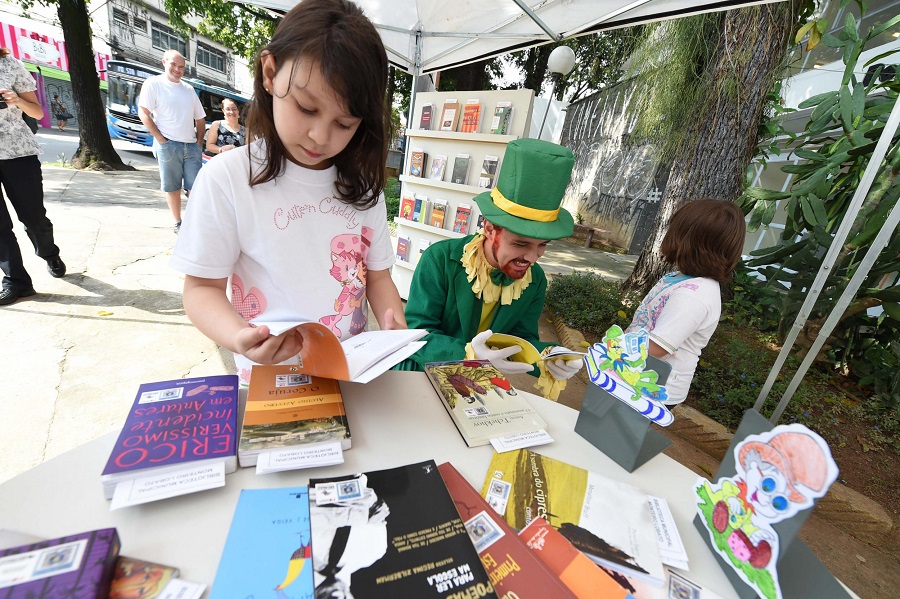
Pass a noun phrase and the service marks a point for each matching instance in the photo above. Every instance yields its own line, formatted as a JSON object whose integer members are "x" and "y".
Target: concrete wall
{"x": 617, "y": 183}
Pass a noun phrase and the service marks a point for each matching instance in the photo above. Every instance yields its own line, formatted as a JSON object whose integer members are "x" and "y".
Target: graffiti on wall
{"x": 616, "y": 183}
{"x": 54, "y": 87}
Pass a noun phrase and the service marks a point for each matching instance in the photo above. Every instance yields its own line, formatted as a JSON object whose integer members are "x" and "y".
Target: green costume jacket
{"x": 441, "y": 300}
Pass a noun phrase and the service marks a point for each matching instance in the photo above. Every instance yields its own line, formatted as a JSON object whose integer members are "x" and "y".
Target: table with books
{"x": 396, "y": 420}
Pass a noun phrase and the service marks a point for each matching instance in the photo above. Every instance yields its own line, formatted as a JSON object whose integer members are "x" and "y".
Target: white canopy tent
{"x": 424, "y": 36}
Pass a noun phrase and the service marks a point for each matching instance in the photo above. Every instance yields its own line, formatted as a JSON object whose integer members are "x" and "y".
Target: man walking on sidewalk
{"x": 172, "y": 113}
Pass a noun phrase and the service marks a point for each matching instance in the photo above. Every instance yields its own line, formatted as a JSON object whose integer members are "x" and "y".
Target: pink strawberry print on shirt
{"x": 249, "y": 304}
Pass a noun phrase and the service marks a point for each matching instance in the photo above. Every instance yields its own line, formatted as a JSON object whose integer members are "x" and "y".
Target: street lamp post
{"x": 560, "y": 63}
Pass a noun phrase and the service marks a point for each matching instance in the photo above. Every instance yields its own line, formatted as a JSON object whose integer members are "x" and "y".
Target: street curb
{"x": 851, "y": 511}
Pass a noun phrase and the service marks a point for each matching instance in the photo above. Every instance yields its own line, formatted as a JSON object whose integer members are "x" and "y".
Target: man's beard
{"x": 508, "y": 269}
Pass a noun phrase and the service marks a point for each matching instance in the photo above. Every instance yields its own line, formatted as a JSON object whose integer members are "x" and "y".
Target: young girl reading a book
{"x": 294, "y": 227}
{"x": 682, "y": 310}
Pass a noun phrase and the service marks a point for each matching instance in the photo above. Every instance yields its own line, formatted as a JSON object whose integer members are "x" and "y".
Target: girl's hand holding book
{"x": 259, "y": 345}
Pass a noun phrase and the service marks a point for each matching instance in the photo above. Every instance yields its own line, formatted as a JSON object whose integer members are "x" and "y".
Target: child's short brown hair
{"x": 705, "y": 239}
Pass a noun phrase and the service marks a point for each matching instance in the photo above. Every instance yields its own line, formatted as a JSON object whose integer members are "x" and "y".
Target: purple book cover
{"x": 177, "y": 422}
{"x": 79, "y": 565}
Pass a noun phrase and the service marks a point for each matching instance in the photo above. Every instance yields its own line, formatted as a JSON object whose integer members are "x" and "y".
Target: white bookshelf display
{"x": 450, "y": 144}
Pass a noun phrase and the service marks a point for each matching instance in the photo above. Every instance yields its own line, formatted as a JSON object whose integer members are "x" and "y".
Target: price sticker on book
{"x": 521, "y": 440}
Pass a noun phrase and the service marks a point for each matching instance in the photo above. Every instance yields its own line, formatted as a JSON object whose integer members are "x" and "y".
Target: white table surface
{"x": 396, "y": 419}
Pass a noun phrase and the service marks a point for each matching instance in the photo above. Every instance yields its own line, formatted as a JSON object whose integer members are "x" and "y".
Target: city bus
{"x": 125, "y": 79}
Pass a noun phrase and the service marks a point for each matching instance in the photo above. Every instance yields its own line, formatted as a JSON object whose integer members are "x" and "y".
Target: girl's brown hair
{"x": 337, "y": 36}
{"x": 705, "y": 239}
{"x": 4, "y": 52}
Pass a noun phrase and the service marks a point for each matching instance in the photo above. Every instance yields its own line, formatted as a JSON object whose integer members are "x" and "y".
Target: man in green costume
{"x": 466, "y": 289}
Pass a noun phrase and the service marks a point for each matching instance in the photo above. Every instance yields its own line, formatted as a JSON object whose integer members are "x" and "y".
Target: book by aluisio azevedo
{"x": 287, "y": 409}
{"x": 482, "y": 402}
{"x": 173, "y": 423}
{"x": 403, "y": 248}
{"x": 460, "y": 172}
{"x": 514, "y": 570}
{"x": 268, "y": 551}
{"x": 608, "y": 520}
{"x": 461, "y": 221}
{"x": 392, "y": 534}
{"x": 471, "y": 117}
{"x": 79, "y": 565}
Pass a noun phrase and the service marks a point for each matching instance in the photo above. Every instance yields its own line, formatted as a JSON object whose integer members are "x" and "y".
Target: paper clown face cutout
{"x": 778, "y": 474}
{"x": 617, "y": 364}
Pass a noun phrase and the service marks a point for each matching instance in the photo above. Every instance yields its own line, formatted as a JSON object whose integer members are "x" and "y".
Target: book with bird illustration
{"x": 482, "y": 402}
{"x": 268, "y": 551}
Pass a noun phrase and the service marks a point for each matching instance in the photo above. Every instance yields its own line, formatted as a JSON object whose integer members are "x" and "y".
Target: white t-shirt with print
{"x": 18, "y": 140}
{"x": 293, "y": 251}
{"x": 175, "y": 107}
{"x": 681, "y": 314}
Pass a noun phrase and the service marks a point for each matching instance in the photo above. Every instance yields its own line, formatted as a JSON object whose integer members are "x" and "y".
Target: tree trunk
{"x": 719, "y": 144}
{"x": 95, "y": 148}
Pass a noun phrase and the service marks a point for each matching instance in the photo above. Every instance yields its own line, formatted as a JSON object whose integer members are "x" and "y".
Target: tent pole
{"x": 837, "y": 243}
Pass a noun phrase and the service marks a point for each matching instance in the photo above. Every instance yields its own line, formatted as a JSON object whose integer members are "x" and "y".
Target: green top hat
{"x": 533, "y": 178}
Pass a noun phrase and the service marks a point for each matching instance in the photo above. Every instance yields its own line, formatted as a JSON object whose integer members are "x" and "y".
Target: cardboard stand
{"x": 800, "y": 573}
{"x": 619, "y": 431}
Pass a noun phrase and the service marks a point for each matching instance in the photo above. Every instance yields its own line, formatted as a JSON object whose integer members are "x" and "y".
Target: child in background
{"x": 294, "y": 227}
{"x": 681, "y": 312}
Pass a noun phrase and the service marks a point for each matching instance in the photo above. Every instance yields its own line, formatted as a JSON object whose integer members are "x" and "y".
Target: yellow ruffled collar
{"x": 478, "y": 272}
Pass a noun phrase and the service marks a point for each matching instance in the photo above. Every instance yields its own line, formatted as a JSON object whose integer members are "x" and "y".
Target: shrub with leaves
{"x": 835, "y": 148}
{"x": 589, "y": 303}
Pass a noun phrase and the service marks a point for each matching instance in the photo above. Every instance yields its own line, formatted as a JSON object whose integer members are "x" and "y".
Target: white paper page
{"x": 370, "y": 347}
{"x": 385, "y": 364}
{"x": 192, "y": 478}
{"x": 671, "y": 548}
{"x": 521, "y": 440}
{"x": 182, "y": 589}
{"x": 305, "y": 456}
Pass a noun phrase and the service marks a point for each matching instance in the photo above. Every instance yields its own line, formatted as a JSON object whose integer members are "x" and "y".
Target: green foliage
{"x": 751, "y": 305}
{"x": 590, "y": 303}
{"x": 242, "y": 28}
{"x": 392, "y": 200}
{"x": 836, "y": 147}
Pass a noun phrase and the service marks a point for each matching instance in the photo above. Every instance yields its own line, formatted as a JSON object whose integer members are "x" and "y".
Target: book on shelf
{"x": 608, "y": 520}
{"x": 417, "y": 159}
{"x": 513, "y": 568}
{"x": 482, "y": 403}
{"x": 423, "y": 245}
{"x": 438, "y": 166}
{"x": 80, "y": 565}
{"x": 268, "y": 550}
{"x": 407, "y": 204}
{"x": 396, "y": 533}
{"x": 438, "y": 213}
{"x": 471, "y": 117}
{"x": 449, "y": 115}
{"x": 288, "y": 409}
{"x": 358, "y": 359}
{"x": 175, "y": 424}
{"x": 420, "y": 212}
{"x": 488, "y": 172}
{"x": 581, "y": 576}
{"x": 502, "y": 118}
{"x": 426, "y": 117}
{"x": 418, "y": 203}
{"x": 479, "y": 224}
{"x": 403, "y": 248}
{"x": 461, "y": 220}
{"x": 460, "y": 172}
